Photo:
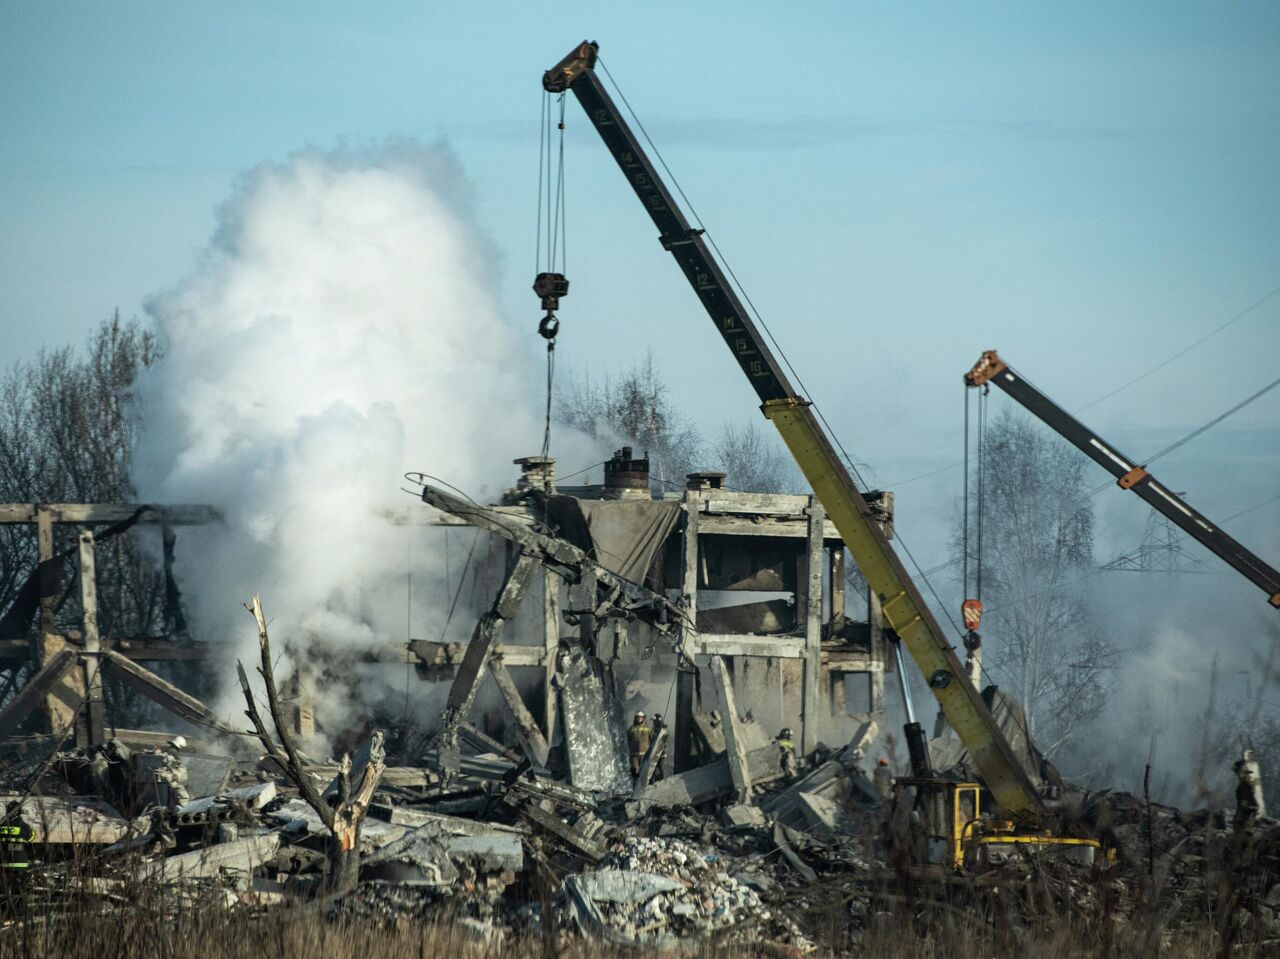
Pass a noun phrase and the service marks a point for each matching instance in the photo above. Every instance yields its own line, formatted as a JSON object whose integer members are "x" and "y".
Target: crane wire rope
{"x": 1183, "y": 352}
{"x": 1195, "y": 432}
{"x": 964, "y": 525}
{"x": 861, "y": 483}
{"x": 552, "y": 187}
{"x": 982, "y": 473}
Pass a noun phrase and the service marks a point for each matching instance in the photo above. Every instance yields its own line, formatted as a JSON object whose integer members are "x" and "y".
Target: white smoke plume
{"x": 340, "y": 330}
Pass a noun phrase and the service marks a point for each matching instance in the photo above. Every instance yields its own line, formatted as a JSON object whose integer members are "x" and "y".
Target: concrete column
{"x": 550, "y": 644}
{"x": 686, "y": 682}
{"x": 682, "y": 728}
{"x": 811, "y": 611}
{"x": 91, "y": 661}
{"x": 837, "y": 586}
{"x": 735, "y": 748}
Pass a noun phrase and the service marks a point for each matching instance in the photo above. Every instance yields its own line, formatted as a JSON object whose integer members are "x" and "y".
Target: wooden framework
{"x": 66, "y": 687}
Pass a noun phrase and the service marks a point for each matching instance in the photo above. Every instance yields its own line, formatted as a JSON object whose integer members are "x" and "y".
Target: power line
{"x": 1183, "y": 352}
{"x": 1250, "y": 509}
{"x": 1216, "y": 420}
{"x": 1195, "y": 432}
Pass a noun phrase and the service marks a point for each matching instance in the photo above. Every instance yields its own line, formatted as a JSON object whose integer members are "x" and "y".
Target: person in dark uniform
{"x": 660, "y": 759}
{"x": 638, "y": 738}
{"x": 787, "y": 761}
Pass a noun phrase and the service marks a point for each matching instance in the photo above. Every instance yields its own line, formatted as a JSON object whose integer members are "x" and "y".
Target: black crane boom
{"x": 1129, "y": 474}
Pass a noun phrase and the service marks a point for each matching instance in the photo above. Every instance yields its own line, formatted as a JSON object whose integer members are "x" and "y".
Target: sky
{"x": 1088, "y": 187}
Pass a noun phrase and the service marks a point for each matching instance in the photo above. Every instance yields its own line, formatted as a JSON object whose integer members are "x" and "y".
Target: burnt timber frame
{"x": 66, "y": 685}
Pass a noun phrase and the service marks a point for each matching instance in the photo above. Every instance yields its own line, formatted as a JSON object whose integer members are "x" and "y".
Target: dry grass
{"x": 135, "y": 921}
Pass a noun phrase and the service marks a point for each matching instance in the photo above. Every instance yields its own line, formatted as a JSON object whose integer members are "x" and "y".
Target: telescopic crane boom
{"x": 1129, "y": 475}
{"x": 903, "y": 607}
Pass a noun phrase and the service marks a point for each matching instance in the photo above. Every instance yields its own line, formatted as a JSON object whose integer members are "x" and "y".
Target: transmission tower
{"x": 1161, "y": 551}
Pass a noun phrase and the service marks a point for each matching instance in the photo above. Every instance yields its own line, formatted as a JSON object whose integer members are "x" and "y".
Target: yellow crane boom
{"x": 904, "y": 609}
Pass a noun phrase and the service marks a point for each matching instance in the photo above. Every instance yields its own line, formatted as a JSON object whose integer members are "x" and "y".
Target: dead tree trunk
{"x": 344, "y": 819}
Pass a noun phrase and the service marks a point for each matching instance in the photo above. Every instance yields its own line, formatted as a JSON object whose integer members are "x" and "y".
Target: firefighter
{"x": 1249, "y": 804}
{"x": 638, "y": 737}
{"x": 787, "y": 754}
{"x": 884, "y": 782}
{"x": 661, "y": 757}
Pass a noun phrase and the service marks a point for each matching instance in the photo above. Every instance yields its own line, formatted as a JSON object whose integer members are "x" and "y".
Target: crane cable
{"x": 971, "y": 607}
{"x": 549, "y": 283}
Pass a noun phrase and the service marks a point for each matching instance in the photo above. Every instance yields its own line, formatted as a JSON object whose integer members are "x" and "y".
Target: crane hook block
{"x": 551, "y": 287}
{"x": 971, "y": 610}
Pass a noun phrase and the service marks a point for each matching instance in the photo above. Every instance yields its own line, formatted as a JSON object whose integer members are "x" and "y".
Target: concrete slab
{"x": 744, "y": 815}
{"x": 594, "y": 739}
{"x": 231, "y": 860}
{"x": 824, "y": 815}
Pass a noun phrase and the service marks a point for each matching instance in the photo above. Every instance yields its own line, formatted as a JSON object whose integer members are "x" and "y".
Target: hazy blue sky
{"x": 1088, "y": 187}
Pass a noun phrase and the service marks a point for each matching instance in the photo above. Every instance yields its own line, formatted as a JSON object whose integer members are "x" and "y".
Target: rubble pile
{"x": 508, "y": 854}
{"x": 652, "y": 890}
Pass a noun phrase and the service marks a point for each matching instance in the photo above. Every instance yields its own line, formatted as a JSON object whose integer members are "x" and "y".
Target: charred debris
{"x": 759, "y": 797}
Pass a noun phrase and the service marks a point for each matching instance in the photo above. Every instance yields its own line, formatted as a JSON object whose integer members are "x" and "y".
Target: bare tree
{"x": 1041, "y": 640}
{"x": 346, "y": 816}
{"x": 636, "y": 409}
{"x": 66, "y": 434}
{"x": 754, "y": 459}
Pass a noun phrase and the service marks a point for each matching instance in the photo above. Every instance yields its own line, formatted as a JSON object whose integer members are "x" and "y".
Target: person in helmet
{"x": 883, "y": 779}
{"x": 660, "y": 758}
{"x": 787, "y": 761}
{"x": 638, "y": 738}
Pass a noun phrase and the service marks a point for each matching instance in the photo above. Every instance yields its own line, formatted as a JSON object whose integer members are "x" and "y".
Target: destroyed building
{"x": 795, "y": 658}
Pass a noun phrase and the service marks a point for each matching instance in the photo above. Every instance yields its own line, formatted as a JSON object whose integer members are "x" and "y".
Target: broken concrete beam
{"x": 452, "y": 825}
{"x": 577, "y": 843}
{"x": 463, "y": 691}
{"x": 297, "y": 814}
{"x": 815, "y": 780}
{"x": 403, "y": 776}
{"x": 235, "y": 859}
{"x": 531, "y": 738}
{"x": 479, "y": 742}
{"x": 734, "y": 745}
{"x": 488, "y": 768}
{"x": 824, "y": 815}
{"x": 709, "y": 782}
{"x": 539, "y": 788}
{"x": 29, "y": 697}
{"x": 249, "y": 797}
{"x": 594, "y": 739}
{"x": 76, "y": 819}
{"x": 782, "y": 841}
{"x": 158, "y": 690}
{"x": 496, "y": 852}
{"x": 252, "y": 797}
{"x": 202, "y": 810}
{"x": 743, "y": 815}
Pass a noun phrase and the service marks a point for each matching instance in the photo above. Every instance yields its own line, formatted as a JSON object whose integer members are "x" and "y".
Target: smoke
{"x": 1199, "y": 668}
{"x": 340, "y": 330}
